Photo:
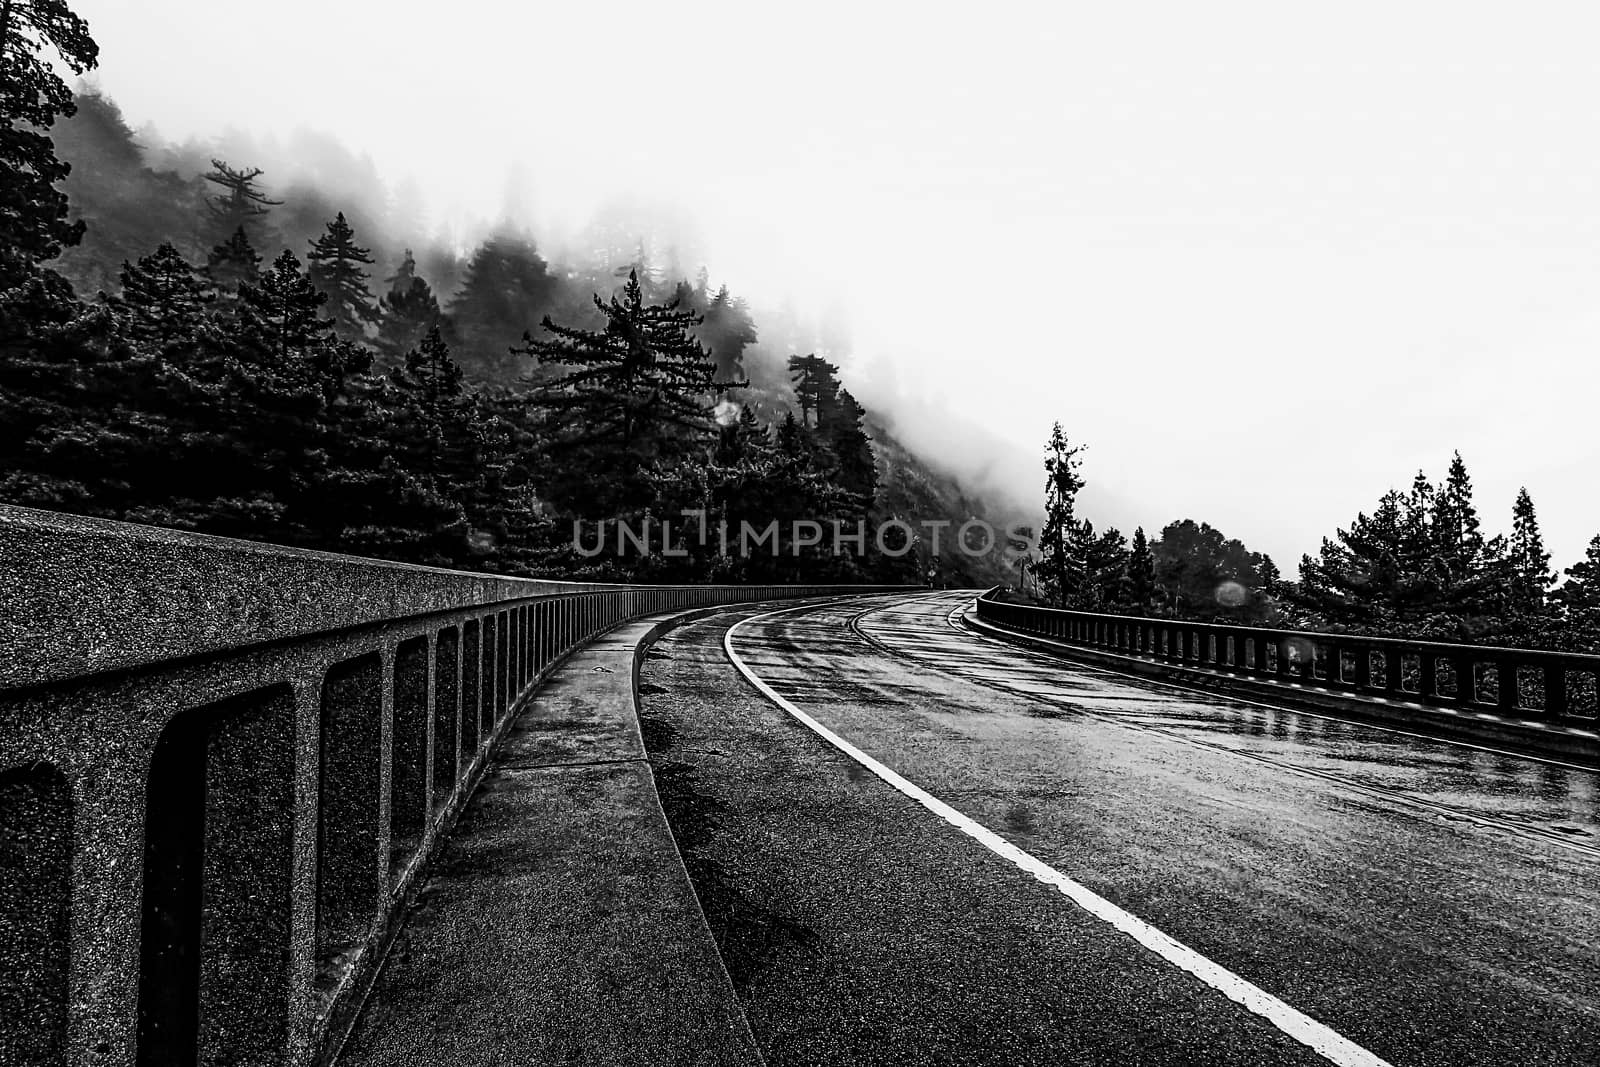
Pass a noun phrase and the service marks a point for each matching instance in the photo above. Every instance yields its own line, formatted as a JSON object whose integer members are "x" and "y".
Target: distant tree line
{"x": 292, "y": 399}
{"x": 1418, "y": 566}
{"x": 1190, "y": 570}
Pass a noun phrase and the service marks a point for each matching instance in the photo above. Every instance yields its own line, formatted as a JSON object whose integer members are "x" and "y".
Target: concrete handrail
{"x": 223, "y": 764}
{"x": 1528, "y": 683}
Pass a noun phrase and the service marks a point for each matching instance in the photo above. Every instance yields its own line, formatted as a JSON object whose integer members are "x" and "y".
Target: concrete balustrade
{"x": 223, "y": 766}
{"x": 1546, "y": 687}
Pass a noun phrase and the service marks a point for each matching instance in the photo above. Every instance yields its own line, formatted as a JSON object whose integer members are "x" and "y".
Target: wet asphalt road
{"x": 1432, "y": 903}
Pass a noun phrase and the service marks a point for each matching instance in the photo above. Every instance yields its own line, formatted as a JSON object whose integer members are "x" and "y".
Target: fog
{"x": 1265, "y": 267}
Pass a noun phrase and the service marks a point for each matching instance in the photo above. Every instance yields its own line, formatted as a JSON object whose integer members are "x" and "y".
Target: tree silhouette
{"x": 240, "y": 205}
{"x": 409, "y": 313}
{"x": 334, "y": 268}
{"x": 638, "y": 391}
{"x": 33, "y": 211}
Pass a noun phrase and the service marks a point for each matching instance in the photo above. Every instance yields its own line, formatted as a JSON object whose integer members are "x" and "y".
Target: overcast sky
{"x": 1266, "y": 261}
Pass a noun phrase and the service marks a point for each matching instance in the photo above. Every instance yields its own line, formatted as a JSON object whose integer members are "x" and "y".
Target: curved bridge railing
{"x": 1517, "y": 683}
{"x": 223, "y": 765}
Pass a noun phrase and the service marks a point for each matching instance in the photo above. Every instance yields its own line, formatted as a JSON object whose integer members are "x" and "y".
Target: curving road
{"x": 1003, "y": 858}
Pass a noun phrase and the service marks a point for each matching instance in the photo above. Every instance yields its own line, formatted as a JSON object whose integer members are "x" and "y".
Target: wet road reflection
{"x": 1435, "y": 902}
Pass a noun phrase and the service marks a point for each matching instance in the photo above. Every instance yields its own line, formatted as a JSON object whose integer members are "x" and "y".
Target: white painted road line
{"x": 1302, "y": 1028}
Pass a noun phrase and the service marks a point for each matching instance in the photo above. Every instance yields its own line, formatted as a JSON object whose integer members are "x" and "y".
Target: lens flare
{"x": 1231, "y": 594}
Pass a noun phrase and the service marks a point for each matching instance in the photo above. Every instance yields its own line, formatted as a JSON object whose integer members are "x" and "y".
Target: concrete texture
{"x": 35, "y": 856}
{"x": 86, "y": 595}
{"x": 284, "y": 686}
{"x": 559, "y": 926}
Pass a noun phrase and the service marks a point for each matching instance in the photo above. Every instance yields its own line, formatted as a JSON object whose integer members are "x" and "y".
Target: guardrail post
{"x": 1507, "y": 684}
{"x": 1555, "y": 691}
{"x": 1363, "y": 679}
{"x": 1466, "y": 679}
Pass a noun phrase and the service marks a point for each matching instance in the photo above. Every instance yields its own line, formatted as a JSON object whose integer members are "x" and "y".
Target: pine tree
{"x": 727, "y": 330}
{"x": 638, "y": 391}
{"x": 816, "y": 387}
{"x": 240, "y": 205}
{"x": 1529, "y": 562}
{"x": 507, "y": 291}
{"x": 334, "y": 267}
{"x": 1455, "y": 525}
{"x": 1106, "y": 560}
{"x": 33, "y": 211}
{"x": 1060, "y": 563}
{"x": 410, "y": 312}
{"x": 852, "y": 448}
{"x": 1204, "y": 574}
{"x": 282, "y": 312}
{"x": 164, "y": 298}
{"x": 421, "y": 466}
{"x": 1579, "y": 595}
{"x": 1360, "y": 576}
{"x": 434, "y": 384}
{"x": 1141, "y": 589}
{"x": 233, "y": 264}
{"x": 791, "y": 439}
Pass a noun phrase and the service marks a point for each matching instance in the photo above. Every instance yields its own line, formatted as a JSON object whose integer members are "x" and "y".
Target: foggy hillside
{"x": 136, "y": 191}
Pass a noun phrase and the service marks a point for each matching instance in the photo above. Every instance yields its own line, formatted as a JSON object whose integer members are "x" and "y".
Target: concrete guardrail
{"x": 223, "y": 765}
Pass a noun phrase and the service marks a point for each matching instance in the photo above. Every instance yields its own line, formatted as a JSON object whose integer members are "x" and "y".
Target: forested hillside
{"x": 189, "y": 343}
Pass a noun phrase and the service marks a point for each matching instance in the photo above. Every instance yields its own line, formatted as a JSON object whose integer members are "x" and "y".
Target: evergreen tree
{"x": 282, "y": 313}
{"x": 33, "y": 211}
{"x": 1579, "y": 595}
{"x": 727, "y": 331}
{"x": 1060, "y": 561}
{"x": 852, "y": 448}
{"x": 233, "y": 264}
{"x": 419, "y": 465}
{"x": 335, "y": 262}
{"x": 816, "y": 386}
{"x": 1204, "y": 574}
{"x": 637, "y": 391}
{"x": 1141, "y": 589}
{"x": 240, "y": 205}
{"x": 508, "y": 289}
{"x": 791, "y": 438}
{"x": 1529, "y": 562}
{"x": 1106, "y": 560}
{"x": 1456, "y": 528}
{"x": 410, "y": 312}
{"x": 164, "y": 298}
{"x": 435, "y": 386}
{"x": 1418, "y": 566}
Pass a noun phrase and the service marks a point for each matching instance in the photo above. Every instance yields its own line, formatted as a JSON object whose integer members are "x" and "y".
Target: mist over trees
{"x": 207, "y": 350}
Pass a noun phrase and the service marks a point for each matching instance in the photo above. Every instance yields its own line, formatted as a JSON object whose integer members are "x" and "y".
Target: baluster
{"x": 1509, "y": 684}
{"x": 1466, "y": 679}
{"x": 1555, "y": 691}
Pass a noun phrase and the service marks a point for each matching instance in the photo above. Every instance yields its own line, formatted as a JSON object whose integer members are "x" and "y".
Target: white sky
{"x": 1266, "y": 259}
